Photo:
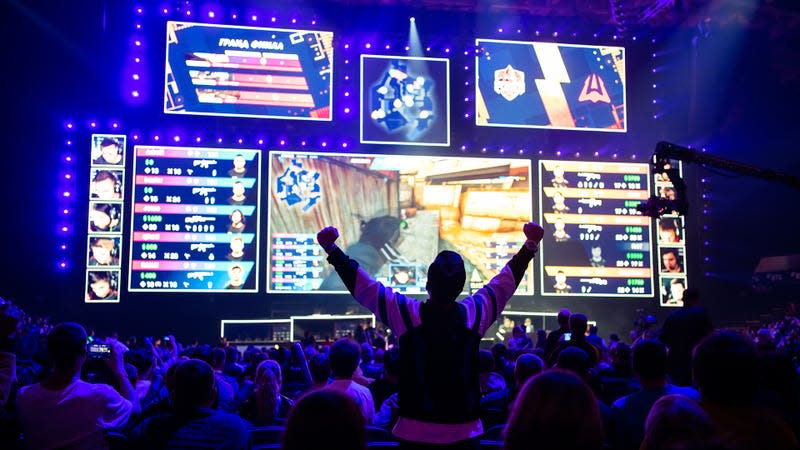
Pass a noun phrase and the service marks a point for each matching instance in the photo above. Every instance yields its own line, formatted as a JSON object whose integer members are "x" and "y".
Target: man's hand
{"x": 327, "y": 238}
{"x": 533, "y": 231}
{"x": 117, "y": 362}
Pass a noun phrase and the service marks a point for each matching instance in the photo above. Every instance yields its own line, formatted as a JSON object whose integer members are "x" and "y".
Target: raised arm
{"x": 485, "y": 306}
{"x": 395, "y": 310}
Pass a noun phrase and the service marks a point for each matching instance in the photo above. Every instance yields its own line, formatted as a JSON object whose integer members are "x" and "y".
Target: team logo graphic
{"x": 509, "y": 82}
{"x": 299, "y": 185}
{"x": 403, "y": 101}
{"x": 594, "y": 90}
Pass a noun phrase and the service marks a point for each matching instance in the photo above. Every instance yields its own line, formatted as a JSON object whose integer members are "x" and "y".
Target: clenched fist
{"x": 533, "y": 231}
{"x": 327, "y": 237}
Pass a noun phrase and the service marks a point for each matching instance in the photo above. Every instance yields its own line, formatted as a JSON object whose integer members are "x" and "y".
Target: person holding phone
{"x": 65, "y": 411}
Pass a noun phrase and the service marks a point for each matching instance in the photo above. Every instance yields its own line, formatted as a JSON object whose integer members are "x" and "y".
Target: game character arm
{"x": 395, "y": 310}
{"x": 485, "y": 306}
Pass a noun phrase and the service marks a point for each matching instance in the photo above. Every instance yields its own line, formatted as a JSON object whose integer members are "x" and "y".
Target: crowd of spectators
{"x": 576, "y": 393}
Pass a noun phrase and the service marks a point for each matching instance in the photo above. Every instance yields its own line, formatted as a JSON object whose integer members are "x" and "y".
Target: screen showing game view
{"x": 595, "y": 242}
{"x": 194, "y": 226}
{"x": 247, "y": 71}
{"x": 395, "y": 214}
{"x": 550, "y": 85}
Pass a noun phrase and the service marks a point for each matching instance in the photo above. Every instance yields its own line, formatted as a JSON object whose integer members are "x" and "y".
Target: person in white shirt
{"x": 344, "y": 358}
{"x": 63, "y": 410}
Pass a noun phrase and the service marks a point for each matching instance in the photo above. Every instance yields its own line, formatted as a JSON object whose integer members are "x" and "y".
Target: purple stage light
{"x": 313, "y": 22}
{"x": 135, "y": 94}
{"x": 346, "y": 77}
{"x": 346, "y": 46}
{"x": 93, "y": 124}
{"x": 234, "y": 16}
{"x": 211, "y": 14}
{"x": 347, "y": 61}
{"x": 138, "y": 26}
{"x": 368, "y": 45}
{"x": 139, "y": 10}
{"x": 294, "y": 20}
{"x": 344, "y": 144}
{"x": 466, "y": 115}
{"x": 137, "y": 60}
{"x": 499, "y": 30}
{"x": 558, "y": 153}
{"x": 188, "y": 12}
{"x": 614, "y": 156}
{"x": 69, "y": 142}
{"x": 66, "y": 194}
{"x": 388, "y": 46}
{"x": 347, "y": 93}
{"x": 483, "y": 150}
{"x": 463, "y": 147}
{"x": 283, "y": 142}
{"x": 347, "y": 110}
{"x": 240, "y": 140}
{"x": 67, "y": 176}
{"x": 165, "y": 11}
{"x": 302, "y": 143}
{"x": 64, "y": 229}
{"x": 68, "y": 158}
{"x": 137, "y": 43}
{"x": 156, "y": 138}
{"x": 407, "y": 47}
{"x": 115, "y": 125}
{"x": 324, "y": 144}
{"x": 219, "y": 140}
{"x": 254, "y": 17}
{"x": 197, "y": 139}
{"x": 63, "y": 247}
{"x": 555, "y": 33}
{"x": 273, "y": 19}
{"x": 176, "y": 138}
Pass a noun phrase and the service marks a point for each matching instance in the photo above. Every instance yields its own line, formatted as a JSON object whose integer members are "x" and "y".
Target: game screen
{"x": 224, "y": 70}
{"x": 395, "y": 214}
{"x": 595, "y": 243}
{"x": 195, "y": 219}
{"x": 550, "y": 85}
{"x": 405, "y": 100}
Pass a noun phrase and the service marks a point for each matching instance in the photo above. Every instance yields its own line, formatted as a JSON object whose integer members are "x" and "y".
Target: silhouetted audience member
{"x": 676, "y": 422}
{"x": 368, "y": 366}
{"x": 490, "y": 380}
{"x": 266, "y": 405}
{"x": 344, "y": 357}
{"x": 577, "y": 328}
{"x": 682, "y": 331}
{"x": 439, "y": 395}
{"x": 193, "y": 423}
{"x": 555, "y": 410}
{"x": 390, "y": 383}
{"x": 554, "y": 338}
{"x": 65, "y": 412}
{"x": 320, "y": 368}
{"x": 527, "y": 366}
{"x": 630, "y": 412}
{"x": 725, "y": 371}
{"x": 325, "y": 420}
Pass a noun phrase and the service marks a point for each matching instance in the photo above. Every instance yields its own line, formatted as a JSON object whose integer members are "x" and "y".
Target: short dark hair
{"x": 527, "y": 365}
{"x": 577, "y": 325}
{"x": 724, "y": 366}
{"x": 446, "y": 277}
{"x": 66, "y": 344}
{"x": 320, "y": 368}
{"x": 217, "y": 357}
{"x": 485, "y": 361}
{"x": 103, "y": 175}
{"x": 344, "y": 357}
{"x": 575, "y": 360}
{"x": 563, "y": 318}
{"x": 336, "y": 420}
{"x": 193, "y": 385}
{"x": 391, "y": 362}
{"x": 109, "y": 141}
{"x": 650, "y": 359}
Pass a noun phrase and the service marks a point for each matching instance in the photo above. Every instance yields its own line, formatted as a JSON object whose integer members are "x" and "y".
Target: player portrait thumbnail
{"x": 559, "y": 181}
{"x": 105, "y": 217}
{"x": 235, "y": 277}
{"x": 672, "y": 291}
{"x": 404, "y": 100}
{"x": 403, "y": 275}
{"x": 237, "y": 224}
{"x": 108, "y": 150}
{"x": 673, "y": 260}
{"x": 670, "y": 231}
{"x": 238, "y": 195}
{"x": 104, "y": 251}
{"x": 561, "y": 286}
{"x": 239, "y": 169}
{"x": 102, "y": 286}
{"x": 107, "y": 184}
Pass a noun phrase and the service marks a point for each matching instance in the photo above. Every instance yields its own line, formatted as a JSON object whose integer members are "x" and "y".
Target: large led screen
{"x": 550, "y": 85}
{"x": 405, "y": 100}
{"x": 394, "y": 213}
{"x": 246, "y": 71}
{"x": 194, "y": 226}
{"x": 596, "y": 244}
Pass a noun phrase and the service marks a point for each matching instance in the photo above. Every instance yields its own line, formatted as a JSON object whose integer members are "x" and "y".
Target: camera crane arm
{"x": 667, "y": 151}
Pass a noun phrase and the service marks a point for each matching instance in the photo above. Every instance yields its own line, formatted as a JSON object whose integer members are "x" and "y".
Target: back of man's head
{"x": 218, "y": 358}
{"x": 527, "y": 366}
{"x": 691, "y": 297}
{"x": 485, "y": 361}
{"x": 231, "y": 355}
{"x": 575, "y": 360}
{"x": 563, "y": 318}
{"x": 320, "y": 368}
{"x": 66, "y": 345}
{"x": 446, "y": 277}
{"x": 650, "y": 359}
{"x": 193, "y": 386}
{"x": 344, "y": 357}
{"x": 724, "y": 367}
{"x": 577, "y": 325}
